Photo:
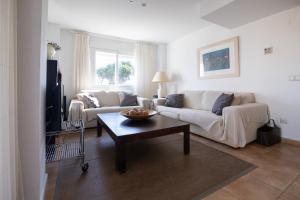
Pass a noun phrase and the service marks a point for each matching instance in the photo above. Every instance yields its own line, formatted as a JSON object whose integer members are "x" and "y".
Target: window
{"x": 114, "y": 69}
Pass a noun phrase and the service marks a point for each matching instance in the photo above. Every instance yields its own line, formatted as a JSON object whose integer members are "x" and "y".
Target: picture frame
{"x": 219, "y": 60}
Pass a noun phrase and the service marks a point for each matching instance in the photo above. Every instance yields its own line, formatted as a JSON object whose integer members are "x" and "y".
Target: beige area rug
{"x": 156, "y": 169}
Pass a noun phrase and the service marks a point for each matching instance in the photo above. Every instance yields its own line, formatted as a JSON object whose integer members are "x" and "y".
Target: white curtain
{"x": 146, "y": 66}
{"x": 82, "y": 62}
{"x": 10, "y": 173}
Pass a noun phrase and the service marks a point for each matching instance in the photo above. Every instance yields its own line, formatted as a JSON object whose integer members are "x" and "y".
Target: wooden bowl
{"x": 138, "y": 117}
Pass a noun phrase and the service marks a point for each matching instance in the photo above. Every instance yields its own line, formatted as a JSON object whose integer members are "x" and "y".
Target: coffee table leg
{"x": 186, "y": 142}
{"x": 121, "y": 156}
{"x": 99, "y": 129}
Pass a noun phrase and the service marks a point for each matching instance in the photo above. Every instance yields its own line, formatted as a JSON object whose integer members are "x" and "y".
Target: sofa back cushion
{"x": 192, "y": 99}
{"x": 204, "y": 100}
{"x": 200, "y": 100}
{"x": 245, "y": 97}
{"x": 208, "y": 99}
{"x": 108, "y": 99}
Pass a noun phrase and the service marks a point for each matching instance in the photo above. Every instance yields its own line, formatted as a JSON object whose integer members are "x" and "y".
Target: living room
{"x": 150, "y": 99}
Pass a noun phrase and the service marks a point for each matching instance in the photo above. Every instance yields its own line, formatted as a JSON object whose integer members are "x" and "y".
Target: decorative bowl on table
{"x": 138, "y": 114}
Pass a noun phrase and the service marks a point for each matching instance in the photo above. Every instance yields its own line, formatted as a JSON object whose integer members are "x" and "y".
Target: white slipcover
{"x": 236, "y": 127}
{"x": 109, "y": 102}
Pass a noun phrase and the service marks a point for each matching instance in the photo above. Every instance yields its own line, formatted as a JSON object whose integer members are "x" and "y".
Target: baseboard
{"x": 43, "y": 192}
{"x": 291, "y": 142}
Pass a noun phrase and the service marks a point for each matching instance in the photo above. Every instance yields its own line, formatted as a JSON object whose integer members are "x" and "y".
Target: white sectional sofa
{"x": 109, "y": 102}
{"x": 236, "y": 127}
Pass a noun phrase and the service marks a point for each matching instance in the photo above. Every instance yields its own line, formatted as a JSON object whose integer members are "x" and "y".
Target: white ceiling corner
{"x": 241, "y": 12}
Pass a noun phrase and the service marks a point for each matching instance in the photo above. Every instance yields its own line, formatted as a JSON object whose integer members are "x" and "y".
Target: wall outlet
{"x": 294, "y": 78}
{"x": 283, "y": 121}
{"x": 268, "y": 50}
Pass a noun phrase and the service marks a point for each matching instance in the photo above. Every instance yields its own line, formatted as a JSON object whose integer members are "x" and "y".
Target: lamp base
{"x": 159, "y": 91}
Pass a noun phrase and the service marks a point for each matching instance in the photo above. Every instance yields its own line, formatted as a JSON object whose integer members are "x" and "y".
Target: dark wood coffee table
{"x": 123, "y": 131}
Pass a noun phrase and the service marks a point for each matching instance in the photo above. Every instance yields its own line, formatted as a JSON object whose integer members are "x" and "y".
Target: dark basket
{"x": 268, "y": 135}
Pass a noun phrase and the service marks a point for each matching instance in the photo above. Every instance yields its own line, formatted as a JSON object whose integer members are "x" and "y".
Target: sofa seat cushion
{"x": 91, "y": 114}
{"x": 205, "y": 119}
{"x": 168, "y": 111}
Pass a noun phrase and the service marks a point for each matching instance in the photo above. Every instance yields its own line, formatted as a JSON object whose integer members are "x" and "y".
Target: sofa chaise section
{"x": 236, "y": 127}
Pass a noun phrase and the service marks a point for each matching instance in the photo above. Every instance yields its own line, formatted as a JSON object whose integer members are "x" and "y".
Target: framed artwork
{"x": 219, "y": 60}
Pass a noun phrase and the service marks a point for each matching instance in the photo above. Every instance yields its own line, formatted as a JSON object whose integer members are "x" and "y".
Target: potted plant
{"x": 51, "y": 50}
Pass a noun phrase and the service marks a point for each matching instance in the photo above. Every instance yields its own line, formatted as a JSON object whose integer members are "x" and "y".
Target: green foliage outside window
{"x": 108, "y": 72}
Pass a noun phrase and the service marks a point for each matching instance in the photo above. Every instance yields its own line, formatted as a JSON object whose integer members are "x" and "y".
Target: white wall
{"x": 122, "y": 46}
{"x": 265, "y": 75}
{"x": 53, "y": 33}
{"x": 162, "y": 57}
{"x": 31, "y": 77}
{"x": 66, "y": 62}
{"x": 65, "y": 38}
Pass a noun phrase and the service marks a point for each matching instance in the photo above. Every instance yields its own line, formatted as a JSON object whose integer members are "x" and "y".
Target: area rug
{"x": 156, "y": 169}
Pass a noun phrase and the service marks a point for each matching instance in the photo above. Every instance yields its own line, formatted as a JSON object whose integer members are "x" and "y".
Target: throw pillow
{"x": 222, "y": 101}
{"x": 129, "y": 100}
{"x": 80, "y": 98}
{"x": 122, "y": 95}
{"x": 93, "y": 101}
{"x": 174, "y": 100}
{"x": 90, "y": 101}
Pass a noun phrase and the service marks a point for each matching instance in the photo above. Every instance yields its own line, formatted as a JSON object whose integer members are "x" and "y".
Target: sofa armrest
{"x": 75, "y": 110}
{"x": 241, "y": 122}
{"x": 144, "y": 102}
{"x": 252, "y": 112}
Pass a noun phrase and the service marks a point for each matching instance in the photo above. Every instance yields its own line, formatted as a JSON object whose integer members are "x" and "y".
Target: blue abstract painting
{"x": 216, "y": 60}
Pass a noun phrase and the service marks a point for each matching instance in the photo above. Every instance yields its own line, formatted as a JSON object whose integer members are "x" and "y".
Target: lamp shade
{"x": 160, "y": 77}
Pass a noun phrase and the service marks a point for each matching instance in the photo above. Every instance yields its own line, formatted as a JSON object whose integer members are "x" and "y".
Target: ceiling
{"x": 160, "y": 20}
{"x": 248, "y": 11}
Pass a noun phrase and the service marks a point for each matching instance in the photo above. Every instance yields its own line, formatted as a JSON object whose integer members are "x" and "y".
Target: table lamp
{"x": 159, "y": 78}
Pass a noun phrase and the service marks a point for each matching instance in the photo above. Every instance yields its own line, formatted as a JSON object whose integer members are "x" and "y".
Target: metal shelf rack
{"x": 66, "y": 150}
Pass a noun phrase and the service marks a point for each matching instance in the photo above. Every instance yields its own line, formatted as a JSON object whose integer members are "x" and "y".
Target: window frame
{"x": 116, "y": 78}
